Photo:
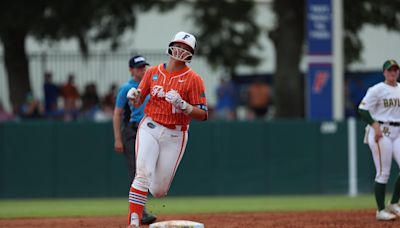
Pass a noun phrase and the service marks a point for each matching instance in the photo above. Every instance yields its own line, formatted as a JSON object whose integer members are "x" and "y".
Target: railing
{"x": 102, "y": 68}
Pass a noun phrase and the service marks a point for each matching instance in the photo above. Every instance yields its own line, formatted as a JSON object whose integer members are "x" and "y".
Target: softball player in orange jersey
{"x": 177, "y": 94}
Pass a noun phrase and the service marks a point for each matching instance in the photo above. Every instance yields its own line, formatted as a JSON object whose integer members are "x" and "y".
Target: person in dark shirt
{"x": 51, "y": 93}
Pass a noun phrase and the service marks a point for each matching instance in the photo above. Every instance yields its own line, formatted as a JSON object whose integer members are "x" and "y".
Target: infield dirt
{"x": 322, "y": 219}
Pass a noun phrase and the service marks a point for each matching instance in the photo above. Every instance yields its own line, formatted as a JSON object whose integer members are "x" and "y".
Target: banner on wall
{"x": 319, "y": 98}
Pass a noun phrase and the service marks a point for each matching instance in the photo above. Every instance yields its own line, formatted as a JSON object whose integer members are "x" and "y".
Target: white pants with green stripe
{"x": 385, "y": 150}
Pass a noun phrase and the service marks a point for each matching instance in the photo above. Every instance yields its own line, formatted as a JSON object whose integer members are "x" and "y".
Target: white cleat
{"x": 384, "y": 215}
{"x": 134, "y": 223}
{"x": 133, "y": 226}
{"x": 394, "y": 209}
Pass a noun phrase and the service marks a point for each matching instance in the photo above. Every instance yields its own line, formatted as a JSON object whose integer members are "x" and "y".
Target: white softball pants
{"x": 159, "y": 151}
{"x": 383, "y": 153}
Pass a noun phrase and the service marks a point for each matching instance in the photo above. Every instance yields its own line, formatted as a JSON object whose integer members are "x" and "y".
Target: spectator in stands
{"x": 90, "y": 102}
{"x": 51, "y": 93}
{"x": 226, "y": 100}
{"x": 259, "y": 93}
{"x": 70, "y": 94}
{"x": 104, "y": 113}
{"x": 31, "y": 108}
{"x": 106, "y": 110}
{"x": 109, "y": 98}
{"x": 4, "y": 115}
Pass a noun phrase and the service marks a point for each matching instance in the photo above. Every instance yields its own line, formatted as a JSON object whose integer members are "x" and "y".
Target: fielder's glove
{"x": 133, "y": 95}
{"x": 176, "y": 100}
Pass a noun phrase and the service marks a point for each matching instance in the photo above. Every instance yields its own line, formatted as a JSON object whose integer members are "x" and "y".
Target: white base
{"x": 176, "y": 224}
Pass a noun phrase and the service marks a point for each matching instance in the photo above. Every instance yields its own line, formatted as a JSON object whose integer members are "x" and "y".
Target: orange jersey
{"x": 157, "y": 82}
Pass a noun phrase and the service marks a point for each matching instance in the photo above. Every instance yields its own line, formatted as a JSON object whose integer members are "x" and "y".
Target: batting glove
{"x": 133, "y": 94}
{"x": 173, "y": 97}
{"x": 176, "y": 100}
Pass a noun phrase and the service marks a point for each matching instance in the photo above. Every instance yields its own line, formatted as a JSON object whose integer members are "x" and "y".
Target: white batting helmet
{"x": 180, "y": 53}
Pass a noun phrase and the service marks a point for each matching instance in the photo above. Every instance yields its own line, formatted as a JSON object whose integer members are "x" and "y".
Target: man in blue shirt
{"x": 129, "y": 116}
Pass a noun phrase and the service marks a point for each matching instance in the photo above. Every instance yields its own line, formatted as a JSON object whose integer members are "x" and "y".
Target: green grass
{"x": 173, "y": 205}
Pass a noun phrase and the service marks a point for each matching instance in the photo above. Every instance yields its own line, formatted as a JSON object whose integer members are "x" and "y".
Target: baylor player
{"x": 380, "y": 108}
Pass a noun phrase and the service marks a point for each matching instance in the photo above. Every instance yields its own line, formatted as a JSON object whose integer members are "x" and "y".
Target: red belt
{"x": 175, "y": 127}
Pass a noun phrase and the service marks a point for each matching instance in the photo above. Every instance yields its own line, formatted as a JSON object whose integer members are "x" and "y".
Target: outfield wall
{"x": 57, "y": 159}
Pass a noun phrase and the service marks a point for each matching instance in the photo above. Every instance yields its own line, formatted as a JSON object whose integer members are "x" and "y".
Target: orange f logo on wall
{"x": 320, "y": 80}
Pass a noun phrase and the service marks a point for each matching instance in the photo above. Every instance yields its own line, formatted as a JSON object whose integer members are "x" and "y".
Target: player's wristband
{"x": 188, "y": 110}
{"x": 186, "y": 107}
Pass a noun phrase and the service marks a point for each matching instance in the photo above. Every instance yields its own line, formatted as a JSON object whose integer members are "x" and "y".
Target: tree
{"x": 361, "y": 12}
{"x": 54, "y": 20}
{"x": 16, "y": 20}
{"x": 288, "y": 38}
{"x": 227, "y": 31}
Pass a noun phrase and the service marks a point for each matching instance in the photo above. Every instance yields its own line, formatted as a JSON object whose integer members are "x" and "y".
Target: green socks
{"x": 396, "y": 192}
{"x": 380, "y": 190}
